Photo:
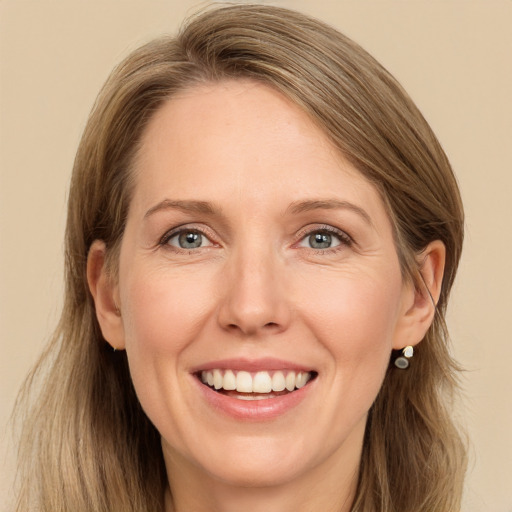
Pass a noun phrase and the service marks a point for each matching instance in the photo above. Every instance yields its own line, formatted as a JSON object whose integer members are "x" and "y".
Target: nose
{"x": 254, "y": 301}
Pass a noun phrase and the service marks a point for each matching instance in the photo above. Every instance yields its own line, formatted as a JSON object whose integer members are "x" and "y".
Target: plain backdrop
{"x": 453, "y": 57}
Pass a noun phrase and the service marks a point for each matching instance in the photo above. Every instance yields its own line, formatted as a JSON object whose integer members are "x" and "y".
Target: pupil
{"x": 320, "y": 240}
{"x": 190, "y": 240}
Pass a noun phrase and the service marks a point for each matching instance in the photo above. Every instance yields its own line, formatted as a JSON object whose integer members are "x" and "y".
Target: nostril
{"x": 251, "y": 330}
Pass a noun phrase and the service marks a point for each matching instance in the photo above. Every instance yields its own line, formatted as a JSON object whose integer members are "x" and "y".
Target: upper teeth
{"x": 259, "y": 382}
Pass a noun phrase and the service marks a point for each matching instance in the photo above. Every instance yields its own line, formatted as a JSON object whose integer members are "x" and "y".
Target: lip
{"x": 252, "y": 410}
{"x": 252, "y": 365}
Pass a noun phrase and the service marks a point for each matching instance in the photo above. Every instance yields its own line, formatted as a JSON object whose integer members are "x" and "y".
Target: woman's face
{"x": 255, "y": 257}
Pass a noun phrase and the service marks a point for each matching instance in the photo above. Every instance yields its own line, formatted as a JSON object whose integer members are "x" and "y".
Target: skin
{"x": 256, "y": 288}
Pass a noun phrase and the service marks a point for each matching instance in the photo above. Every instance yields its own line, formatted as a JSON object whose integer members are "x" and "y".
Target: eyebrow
{"x": 328, "y": 204}
{"x": 185, "y": 206}
{"x": 295, "y": 208}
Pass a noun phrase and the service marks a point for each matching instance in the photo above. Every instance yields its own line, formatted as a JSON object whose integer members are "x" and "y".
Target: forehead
{"x": 241, "y": 139}
{"x": 243, "y": 113}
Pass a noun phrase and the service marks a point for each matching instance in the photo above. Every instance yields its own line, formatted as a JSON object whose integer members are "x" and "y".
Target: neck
{"x": 259, "y": 500}
{"x": 330, "y": 487}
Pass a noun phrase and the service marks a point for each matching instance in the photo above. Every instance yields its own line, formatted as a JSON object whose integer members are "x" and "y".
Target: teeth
{"x": 217, "y": 379}
{"x": 301, "y": 380}
{"x": 278, "y": 382}
{"x": 290, "y": 381}
{"x": 229, "y": 383}
{"x": 260, "y": 382}
{"x": 252, "y": 397}
{"x": 244, "y": 382}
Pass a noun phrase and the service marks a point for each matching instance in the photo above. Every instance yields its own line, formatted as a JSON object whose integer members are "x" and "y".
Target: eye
{"x": 187, "y": 239}
{"x": 321, "y": 239}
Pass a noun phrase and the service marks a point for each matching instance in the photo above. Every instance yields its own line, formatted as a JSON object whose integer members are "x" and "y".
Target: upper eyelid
{"x": 324, "y": 227}
{"x": 185, "y": 227}
{"x": 300, "y": 235}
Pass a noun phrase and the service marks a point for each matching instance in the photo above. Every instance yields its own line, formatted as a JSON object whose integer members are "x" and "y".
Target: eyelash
{"x": 164, "y": 241}
{"x": 344, "y": 239}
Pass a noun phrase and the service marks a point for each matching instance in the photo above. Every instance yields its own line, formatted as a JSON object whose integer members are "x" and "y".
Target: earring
{"x": 402, "y": 361}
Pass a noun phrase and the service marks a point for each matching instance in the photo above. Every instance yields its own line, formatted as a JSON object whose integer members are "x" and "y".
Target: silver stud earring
{"x": 402, "y": 361}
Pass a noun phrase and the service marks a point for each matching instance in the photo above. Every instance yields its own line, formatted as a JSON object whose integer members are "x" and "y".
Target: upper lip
{"x": 252, "y": 365}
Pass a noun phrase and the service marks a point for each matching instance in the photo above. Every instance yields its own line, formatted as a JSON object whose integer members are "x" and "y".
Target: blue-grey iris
{"x": 320, "y": 240}
{"x": 190, "y": 240}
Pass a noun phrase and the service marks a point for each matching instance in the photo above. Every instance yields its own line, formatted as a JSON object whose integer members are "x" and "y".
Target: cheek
{"x": 359, "y": 309}
{"x": 355, "y": 319}
{"x": 163, "y": 313}
{"x": 164, "y": 309}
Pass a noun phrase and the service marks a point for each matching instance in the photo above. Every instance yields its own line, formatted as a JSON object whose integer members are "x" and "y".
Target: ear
{"x": 420, "y": 300}
{"x": 105, "y": 294}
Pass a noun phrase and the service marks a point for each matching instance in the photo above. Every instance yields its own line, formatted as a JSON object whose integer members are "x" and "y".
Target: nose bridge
{"x": 254, "y": 300}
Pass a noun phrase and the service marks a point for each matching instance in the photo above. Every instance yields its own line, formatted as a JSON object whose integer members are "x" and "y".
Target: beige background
{"x": 454, "y": 58}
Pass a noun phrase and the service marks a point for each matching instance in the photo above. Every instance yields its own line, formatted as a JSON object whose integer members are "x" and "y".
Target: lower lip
{"x": 254, "y": 410}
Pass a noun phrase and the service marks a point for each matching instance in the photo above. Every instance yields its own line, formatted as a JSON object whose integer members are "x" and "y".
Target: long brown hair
{"x": 86, "y": 443}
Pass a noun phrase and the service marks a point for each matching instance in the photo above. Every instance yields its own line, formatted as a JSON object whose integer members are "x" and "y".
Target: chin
{"x": 257, "y": 474}
{"x": 261, "y": 461}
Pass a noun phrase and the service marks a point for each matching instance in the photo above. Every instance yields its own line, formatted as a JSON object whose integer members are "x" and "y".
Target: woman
{"x": 262, "y": 236}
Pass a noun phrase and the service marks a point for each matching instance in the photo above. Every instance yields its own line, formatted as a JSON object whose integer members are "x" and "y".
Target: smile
{"x": 260, "y": 385}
